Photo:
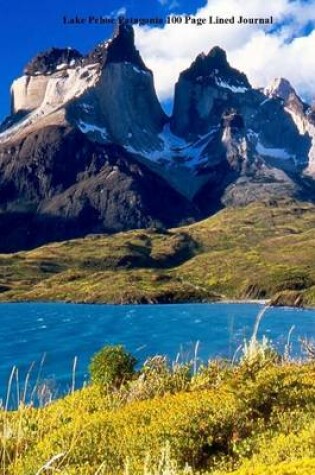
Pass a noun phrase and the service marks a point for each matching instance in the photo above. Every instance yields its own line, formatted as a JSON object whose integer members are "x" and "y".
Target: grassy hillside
{"x": 260, "y": 251}
{"x": 254, "y": 418}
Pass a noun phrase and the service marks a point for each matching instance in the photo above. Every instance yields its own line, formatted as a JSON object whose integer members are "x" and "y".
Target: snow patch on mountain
{"x": 92, "y": 128}
{"x": 238, "y": 89}
{"x": 176, "y": 150}
{"x": 138, "y": 70}
{"x": 62, "y": 66}
{"x": 272, "y": 152}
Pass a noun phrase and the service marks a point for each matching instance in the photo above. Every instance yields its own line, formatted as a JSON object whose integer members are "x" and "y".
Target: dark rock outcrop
{"x": 48, "y": 61}
{"x": 204, "y": 91}
{"x": 208, "y": 67}
{"x": 121, "y": 48}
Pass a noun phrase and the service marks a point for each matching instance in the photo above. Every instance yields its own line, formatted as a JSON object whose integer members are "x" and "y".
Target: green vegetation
{"x": 112, "y": 366}
{"x": 252, "y": 418}
{"x": 259, "y": 251}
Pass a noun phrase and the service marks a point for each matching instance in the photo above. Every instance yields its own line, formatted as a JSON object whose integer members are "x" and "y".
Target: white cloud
{"x": 258, "y": 51}
{"x": 171, "y": 3}
{"x": 120, "y": 12}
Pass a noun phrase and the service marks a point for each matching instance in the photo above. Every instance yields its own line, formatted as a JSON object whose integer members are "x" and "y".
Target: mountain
{"x": 87, "y": 147}
{"x": 252, "y": 147}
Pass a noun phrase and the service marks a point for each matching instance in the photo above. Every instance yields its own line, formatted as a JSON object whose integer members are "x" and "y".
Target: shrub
{"x": 157, "y": 377}
{"x": 112, "y": 366}
{"x": 221, "y": 421}
{"x": 212, "y": 374}
{"x": 196, "y": 425}
{"x": 258, "y": 354}
{"x": 305, "y": 466}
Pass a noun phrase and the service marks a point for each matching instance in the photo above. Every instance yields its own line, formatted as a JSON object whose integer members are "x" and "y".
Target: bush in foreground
{"x": 112, "y": 366}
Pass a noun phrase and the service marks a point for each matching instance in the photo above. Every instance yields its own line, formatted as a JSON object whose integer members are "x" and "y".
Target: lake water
{"x": 50, "y": 336}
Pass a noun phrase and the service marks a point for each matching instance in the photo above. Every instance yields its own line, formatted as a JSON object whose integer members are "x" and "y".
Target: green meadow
{"x": 261, "y": 251}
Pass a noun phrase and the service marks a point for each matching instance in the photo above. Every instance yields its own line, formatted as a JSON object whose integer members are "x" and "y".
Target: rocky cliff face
{"x": 302, "y": 115}
{"x": 202, "y": 91}
{"x": 28, "y": 92}
{"x": 109, "y": 94}
{"x": 88, "y": 148}
{"x": 122, "y": 107}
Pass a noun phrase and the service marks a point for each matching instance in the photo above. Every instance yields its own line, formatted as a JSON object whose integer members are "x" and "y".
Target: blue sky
{"x": 35, "y": 25}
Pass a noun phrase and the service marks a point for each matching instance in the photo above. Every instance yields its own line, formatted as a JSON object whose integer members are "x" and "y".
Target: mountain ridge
{"x": 225, "y": 144}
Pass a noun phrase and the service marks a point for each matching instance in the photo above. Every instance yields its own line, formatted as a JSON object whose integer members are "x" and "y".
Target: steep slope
{"x": 200, "y": 89}
{"x": 122, "y": 107}
{"x": 210, "y": 87}
{"x": 64, "y": 185}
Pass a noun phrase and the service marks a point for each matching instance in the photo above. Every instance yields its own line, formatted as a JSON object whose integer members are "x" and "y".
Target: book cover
{"x": 157, "y": 284}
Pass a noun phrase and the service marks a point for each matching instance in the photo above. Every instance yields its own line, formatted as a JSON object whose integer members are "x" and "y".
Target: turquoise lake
{"x": 48, "y": 336}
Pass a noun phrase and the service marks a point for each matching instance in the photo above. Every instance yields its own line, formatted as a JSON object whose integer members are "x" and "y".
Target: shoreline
{"x": 265, "y": 302}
